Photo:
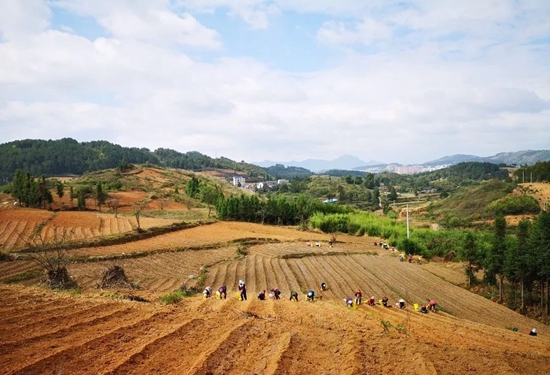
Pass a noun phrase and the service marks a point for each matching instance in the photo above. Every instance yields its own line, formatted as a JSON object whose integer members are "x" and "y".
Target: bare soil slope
{"x": 48, "y": 333}
{"x": 18, "y": 226}
{"x": 43, "y": 332}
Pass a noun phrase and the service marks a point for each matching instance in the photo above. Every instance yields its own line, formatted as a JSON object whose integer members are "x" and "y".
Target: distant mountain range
{"x": 348, "y": 162}
{"x": 317, "y": 165}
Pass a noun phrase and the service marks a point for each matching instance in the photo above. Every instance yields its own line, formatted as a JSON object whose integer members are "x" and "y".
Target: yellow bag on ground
{"x": 218, "y": 295}
{"x": 238, "y": 295}
{"x": 416, "y": 307}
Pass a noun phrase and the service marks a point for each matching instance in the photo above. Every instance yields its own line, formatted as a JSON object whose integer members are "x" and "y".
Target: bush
{"x": 176, "y": 296}
{"x": 115, "y": 277}
{"x": 172, "y": 298}
{"x": 515, "y": 205}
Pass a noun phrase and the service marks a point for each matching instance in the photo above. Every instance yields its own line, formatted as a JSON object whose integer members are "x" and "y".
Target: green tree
{"x": 210, "y": 195}
{"x": 523, "y": 266}
{"x": 193, "y": 187}
{"x": 18, "y": 186}
{"x": 540, "y": 242}
{"x": 469, "y": 254}
{"x": 59, "y": 187}
{"x": 81, "y": 200}
{"x": 100, "y": 196}
{"x": 72, "y": 195}
{"x": 392, "y": 196}
{"x": 497, "y": 254}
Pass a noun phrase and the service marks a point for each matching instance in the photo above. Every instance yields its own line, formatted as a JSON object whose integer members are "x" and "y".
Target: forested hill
{"x": 280, "y": 171}
{"x": 468, "y": 171}
{"x": 194, "y": 160}
{"x": 67, "y": 156}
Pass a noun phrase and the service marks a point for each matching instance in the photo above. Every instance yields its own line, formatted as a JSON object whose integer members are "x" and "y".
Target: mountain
{"x": 343, "y": 162}
{"x": 453, "y": 159}
{"x": 528, "y": 157}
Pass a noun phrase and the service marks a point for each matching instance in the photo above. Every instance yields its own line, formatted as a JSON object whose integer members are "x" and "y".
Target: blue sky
{"x": 396, "y": 81}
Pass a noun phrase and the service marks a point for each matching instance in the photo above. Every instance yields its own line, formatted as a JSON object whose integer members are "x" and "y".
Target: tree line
{"x": 522, "y": 259}
{"x": 275, "y": 209}
{"x": 539, "y": 172}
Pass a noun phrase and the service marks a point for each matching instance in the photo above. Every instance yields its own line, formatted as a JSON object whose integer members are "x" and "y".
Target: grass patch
{"x": 176, "y": 296}
{"x": 202, "y": 278}
{"x": 23, "y": 276}
{"x": 386, "y": 325}
{"x": 242, "y": 251}
{"x": 401, "y": 328}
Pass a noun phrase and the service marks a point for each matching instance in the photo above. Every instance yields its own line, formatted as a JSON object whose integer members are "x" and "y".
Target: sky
{"x": 393, "y": 81}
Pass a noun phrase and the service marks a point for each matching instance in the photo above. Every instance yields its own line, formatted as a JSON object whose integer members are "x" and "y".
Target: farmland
{"x": 23, "y": 226}
{"x": 102, "y": 331}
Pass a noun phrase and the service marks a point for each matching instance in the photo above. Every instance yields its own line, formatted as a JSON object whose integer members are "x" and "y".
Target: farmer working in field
{"x": 294, "y": 295}
{"x": 358, "y": 297}
{"x": 323, "y": 286}
{"x": 385, "y": 301}
{"x": 348, "y": 301}
{"x": 371, "y": 301}
{"x": 431, "y": 305}
{"x": 207, "y": 292}
{"x": 242, "y": 290}
{"x": 276, "y": 293}
{"x": 423, "y": 309}
{"x": 223, "y": 291}
{"x": 311, "y": 295}
{"x": 261, "y": 295}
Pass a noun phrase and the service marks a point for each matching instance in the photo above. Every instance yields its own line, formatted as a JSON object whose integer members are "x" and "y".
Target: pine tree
{"x": 100, "y": 195}
{"x": 59, "y": 189}
{"x": 497, "y": 254}
{"x": 469, "y": 254}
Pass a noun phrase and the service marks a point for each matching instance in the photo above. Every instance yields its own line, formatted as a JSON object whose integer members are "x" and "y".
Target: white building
{"x": 238, "y": 180}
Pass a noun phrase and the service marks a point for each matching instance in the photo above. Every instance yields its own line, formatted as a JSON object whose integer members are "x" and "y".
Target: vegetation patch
{"x": 329, "y": 253}
{"x": 6, "y": 257}
{"x": 23, "y": 276}
{"x": 115, "y": 277}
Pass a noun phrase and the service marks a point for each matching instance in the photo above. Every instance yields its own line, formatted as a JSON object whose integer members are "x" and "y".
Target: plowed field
{"x": 46, "y": 333}
{"x": 43, "y": 332}
{"x": 18, "y": 225}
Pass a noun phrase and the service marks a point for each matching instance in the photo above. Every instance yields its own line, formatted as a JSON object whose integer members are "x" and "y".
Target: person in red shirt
{"x": 358, "y": 297}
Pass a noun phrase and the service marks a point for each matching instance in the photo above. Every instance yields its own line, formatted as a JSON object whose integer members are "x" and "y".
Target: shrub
{"x": 172, "y": 298}
{"x": 515, "y": 205}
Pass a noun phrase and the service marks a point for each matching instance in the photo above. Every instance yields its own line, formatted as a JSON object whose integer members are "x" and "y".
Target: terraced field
{"x": 43, "y": 332}
{"x": 17, "y": 227}
{"x": 47, "y": 333}
{"x": 157, "y": 273}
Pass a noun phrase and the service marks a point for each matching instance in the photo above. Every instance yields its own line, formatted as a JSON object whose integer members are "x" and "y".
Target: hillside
{"x": 67, "y": 156}
{"x": 77, "y": 334}
{"x": 101, "y": 330}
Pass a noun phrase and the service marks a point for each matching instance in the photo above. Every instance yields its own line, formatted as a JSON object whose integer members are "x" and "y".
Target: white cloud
{"x": 256, "y": 13}
{"x": 420, "y": 96}
{"x": 366, "y": 32}
{"x": 148, "y": 21}
{"x": 20, "y": 19}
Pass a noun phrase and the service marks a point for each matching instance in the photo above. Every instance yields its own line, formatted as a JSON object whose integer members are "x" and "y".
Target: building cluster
{"x": 240, "y": 181}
